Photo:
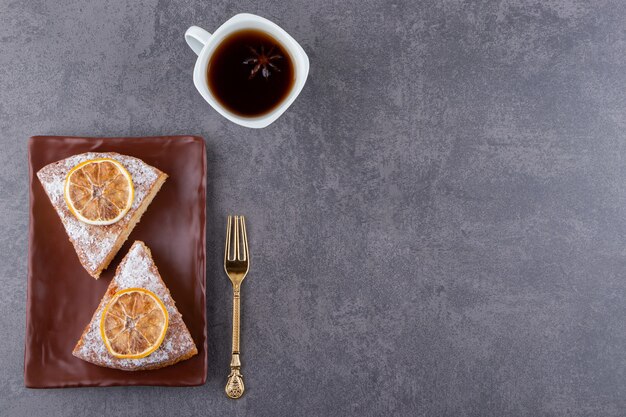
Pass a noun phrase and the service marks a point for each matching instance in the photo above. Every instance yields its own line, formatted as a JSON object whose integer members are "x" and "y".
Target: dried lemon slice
{"x": 134, "y": 323}
{"x": 99, "y": 191}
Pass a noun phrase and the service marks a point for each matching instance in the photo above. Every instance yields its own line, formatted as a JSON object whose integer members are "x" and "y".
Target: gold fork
{"x": 236, "y": 265}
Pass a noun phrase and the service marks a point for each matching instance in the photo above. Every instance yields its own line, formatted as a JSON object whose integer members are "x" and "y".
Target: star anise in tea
{"x": 262, "y": 62}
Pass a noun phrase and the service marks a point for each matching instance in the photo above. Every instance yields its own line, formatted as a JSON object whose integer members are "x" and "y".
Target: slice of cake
{"x": 144, "y": 332}
{"x": 97, "y": 241}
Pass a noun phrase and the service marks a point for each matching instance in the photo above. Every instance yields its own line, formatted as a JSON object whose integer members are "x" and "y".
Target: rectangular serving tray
{"x": 62, "y": 297}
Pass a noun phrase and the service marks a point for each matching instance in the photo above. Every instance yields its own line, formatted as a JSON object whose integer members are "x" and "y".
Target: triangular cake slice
{"x": 97, "y": 245}
{"x": 138, "y": 270}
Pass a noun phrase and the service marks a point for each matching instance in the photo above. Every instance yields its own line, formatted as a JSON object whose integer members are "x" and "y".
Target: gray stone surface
{"x": 437, "y": 225}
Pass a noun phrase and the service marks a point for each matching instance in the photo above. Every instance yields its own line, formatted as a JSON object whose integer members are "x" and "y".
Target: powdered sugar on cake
{"x": 137, "y": 271}
{"x": 94, "y": 243}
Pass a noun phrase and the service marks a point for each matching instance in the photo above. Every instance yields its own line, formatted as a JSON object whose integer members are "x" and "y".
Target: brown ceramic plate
{"x": 62, "y": 296}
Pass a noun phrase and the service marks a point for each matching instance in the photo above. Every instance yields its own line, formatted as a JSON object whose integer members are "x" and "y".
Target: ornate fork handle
{"x": 234, "y": 386}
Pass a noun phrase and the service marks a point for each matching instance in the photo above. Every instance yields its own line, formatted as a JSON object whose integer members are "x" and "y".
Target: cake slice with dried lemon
{"x": 137, "y": 325}
{"x": 100, "y": 197}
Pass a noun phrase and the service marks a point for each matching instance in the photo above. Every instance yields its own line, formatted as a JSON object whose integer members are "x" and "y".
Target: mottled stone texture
{"x": 437, "y": 225}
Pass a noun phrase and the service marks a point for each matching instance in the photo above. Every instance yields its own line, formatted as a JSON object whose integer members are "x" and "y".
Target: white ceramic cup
{"x": 204, "y": 44}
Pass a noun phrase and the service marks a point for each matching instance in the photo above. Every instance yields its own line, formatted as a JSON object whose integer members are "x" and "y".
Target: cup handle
{"x": 196, "y": 38}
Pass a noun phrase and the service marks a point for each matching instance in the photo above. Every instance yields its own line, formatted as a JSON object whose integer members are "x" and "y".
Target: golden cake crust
{"x": 96, "y": 245}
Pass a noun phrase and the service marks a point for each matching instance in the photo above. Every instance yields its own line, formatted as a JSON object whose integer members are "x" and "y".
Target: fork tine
{"x": 244, "y": 238}
{"x": 236, "y": 254}
{"x": 227, "y": 250}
